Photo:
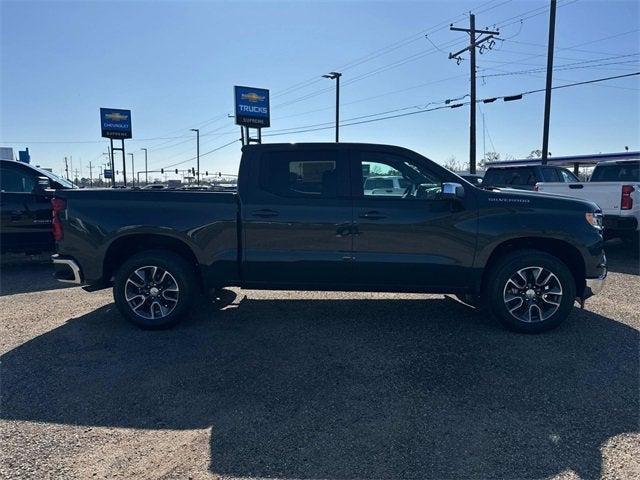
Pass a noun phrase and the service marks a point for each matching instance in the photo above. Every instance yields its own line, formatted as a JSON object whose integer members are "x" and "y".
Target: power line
{"x": 390, "y": 48}
{"x": 203, "y": 154}
{"x": 456, "y": 105}
{"x": 559, "y": 68}
{"x": 351, "y": 121}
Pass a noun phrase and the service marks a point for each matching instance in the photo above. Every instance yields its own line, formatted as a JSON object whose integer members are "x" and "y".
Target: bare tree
{"x": 454, "y": 165}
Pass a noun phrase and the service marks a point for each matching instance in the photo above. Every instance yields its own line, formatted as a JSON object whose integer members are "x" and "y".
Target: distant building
{"x": 6, "y": 153}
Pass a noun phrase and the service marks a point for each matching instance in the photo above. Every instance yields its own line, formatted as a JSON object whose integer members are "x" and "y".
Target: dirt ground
{"x": 315, "y": 385}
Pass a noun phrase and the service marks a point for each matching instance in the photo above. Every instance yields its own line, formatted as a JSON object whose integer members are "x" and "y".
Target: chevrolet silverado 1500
{"x": 301, "y": 219}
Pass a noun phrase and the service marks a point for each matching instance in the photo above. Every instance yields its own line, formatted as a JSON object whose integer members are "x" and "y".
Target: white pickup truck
{"x": 615, "y": 186}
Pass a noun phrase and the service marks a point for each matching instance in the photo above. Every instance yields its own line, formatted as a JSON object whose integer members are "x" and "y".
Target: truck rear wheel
{"x": 154, "y": 289}
{"x": 531, "y": 291}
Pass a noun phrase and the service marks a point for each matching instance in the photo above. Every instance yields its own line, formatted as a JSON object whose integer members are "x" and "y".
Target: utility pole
{"x": 547, "y": 94}
{"x": 75, "y": 176}
{"x": 66, "y": 168}
{"x": 146, "y": 169}
{"x": 133, "y": 172}
{"x": 474, "y": 42}
{"x": 197, "y": 130}
{"x": 90, "y": 175}
{"x": 336, "y": 76}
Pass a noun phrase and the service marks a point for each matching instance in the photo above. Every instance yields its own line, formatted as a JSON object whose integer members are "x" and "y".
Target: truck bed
{"x": 608, "y": 197}
{"x": 99, "y": 224}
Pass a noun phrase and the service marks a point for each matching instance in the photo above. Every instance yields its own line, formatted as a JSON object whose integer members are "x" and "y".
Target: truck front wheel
{"x": 531, "y": 291}
{"x": 154, "y": 289}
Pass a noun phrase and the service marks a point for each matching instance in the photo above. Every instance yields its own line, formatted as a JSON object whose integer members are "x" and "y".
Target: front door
{"x": 26, "y": 214}
{"x": 296, "y": 219}
{"x": 417, "y": 240}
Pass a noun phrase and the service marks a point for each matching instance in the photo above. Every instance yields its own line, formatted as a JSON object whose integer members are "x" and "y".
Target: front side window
{"x": 12, "y": 181}
{"x": 300, "y": 174}
{"x": 567, "y": 176}
{"x": 388, "y": 175}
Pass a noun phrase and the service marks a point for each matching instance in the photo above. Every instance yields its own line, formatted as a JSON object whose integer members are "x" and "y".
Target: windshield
{"x": 52, "y": 176}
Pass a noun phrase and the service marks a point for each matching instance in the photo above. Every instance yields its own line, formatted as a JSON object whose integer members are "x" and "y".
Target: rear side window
{"x": 13, "y": 181}
{"x": 550, "y": 175}
{"x": 507, "y": 177}
{"x": 617, "y": 172}
{"x": 302, "y": 173}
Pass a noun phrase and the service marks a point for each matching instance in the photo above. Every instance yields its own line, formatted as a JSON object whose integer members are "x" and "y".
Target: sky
{"x": 174, "y": 64}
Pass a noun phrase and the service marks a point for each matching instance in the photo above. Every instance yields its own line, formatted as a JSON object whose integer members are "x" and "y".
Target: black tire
{"x": 175, "y": 305}
{"x": 538, "y": 308}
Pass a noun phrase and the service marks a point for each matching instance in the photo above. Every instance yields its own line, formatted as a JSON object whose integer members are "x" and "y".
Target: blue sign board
{"x": 23, "y": 156}
{"x": 107, "y": 173}
{"x": 115, "y": 123}
{"x": 252, "y": 107}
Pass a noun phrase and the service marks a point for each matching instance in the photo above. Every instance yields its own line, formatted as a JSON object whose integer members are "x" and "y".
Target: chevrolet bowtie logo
{"x": 116, "y": 117}
{"x": 252, "y": 97}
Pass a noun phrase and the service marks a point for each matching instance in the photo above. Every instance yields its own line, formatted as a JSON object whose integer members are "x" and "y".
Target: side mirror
{"x": 42, "y": 184}
{"x": 452, "y": 190}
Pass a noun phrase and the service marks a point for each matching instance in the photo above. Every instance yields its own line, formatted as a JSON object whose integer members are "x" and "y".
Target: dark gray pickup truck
{"x": 302, "y": 220}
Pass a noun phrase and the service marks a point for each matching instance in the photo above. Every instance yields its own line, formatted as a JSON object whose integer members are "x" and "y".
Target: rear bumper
{"x": 67, "y": 270}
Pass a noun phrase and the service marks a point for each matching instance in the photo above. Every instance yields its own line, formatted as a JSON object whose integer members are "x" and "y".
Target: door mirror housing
{"x": 42, "y": 183}
{"x": 452, "y": 190}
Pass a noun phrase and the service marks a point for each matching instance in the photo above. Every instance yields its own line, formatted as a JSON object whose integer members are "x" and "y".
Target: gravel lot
{"x": 315, "y": 385}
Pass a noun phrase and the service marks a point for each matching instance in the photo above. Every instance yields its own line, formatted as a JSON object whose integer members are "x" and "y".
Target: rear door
{"x": 416, "y": 241}
{"x": 296, "y": 218}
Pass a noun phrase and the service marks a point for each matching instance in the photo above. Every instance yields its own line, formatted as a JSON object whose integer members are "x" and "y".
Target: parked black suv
{"x": 25, "y": 207}
{"x": 525, "y": 177}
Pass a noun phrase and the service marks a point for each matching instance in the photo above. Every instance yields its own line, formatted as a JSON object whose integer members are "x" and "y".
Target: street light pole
{"x": 146, "y": 169}
{"x": 197, "y": 130}
{"x": 336, "y": 76}
{"x": 549, "y": 81}
{"x": 133, "y": 172}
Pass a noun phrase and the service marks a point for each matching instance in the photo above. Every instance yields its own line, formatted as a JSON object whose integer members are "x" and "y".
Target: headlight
{"x": 594, "y": 219}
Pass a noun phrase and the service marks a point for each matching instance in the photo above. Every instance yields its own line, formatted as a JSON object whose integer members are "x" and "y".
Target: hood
{"x": 526, "y": 198}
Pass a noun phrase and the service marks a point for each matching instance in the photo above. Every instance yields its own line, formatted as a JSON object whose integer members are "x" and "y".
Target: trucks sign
{"x": 115, "y": 123}
{"x": 252, "y": 107}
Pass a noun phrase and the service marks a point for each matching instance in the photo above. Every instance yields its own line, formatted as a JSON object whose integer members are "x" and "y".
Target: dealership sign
{"x": 115, "y": 123}
{"x": 252, "y": 107}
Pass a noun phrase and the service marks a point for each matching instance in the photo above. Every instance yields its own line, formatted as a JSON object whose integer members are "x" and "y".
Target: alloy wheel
{"x": 532, "y": 294}
{"x": 151, "y": 292}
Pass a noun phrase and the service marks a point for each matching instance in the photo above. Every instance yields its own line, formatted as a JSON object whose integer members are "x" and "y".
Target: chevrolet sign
{"x": 115, "y": 123}
{"x": 252, "y": 107}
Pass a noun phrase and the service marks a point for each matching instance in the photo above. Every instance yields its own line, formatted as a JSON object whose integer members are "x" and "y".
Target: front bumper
{"x": 67, "y": 270}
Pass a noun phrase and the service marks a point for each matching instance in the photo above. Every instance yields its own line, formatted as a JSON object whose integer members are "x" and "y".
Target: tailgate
{"x": 605, "y": 194}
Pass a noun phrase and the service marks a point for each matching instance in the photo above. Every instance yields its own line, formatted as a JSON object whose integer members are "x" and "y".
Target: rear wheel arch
{"x": 560, "y": 249}
{"x": 123, "y": 248}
